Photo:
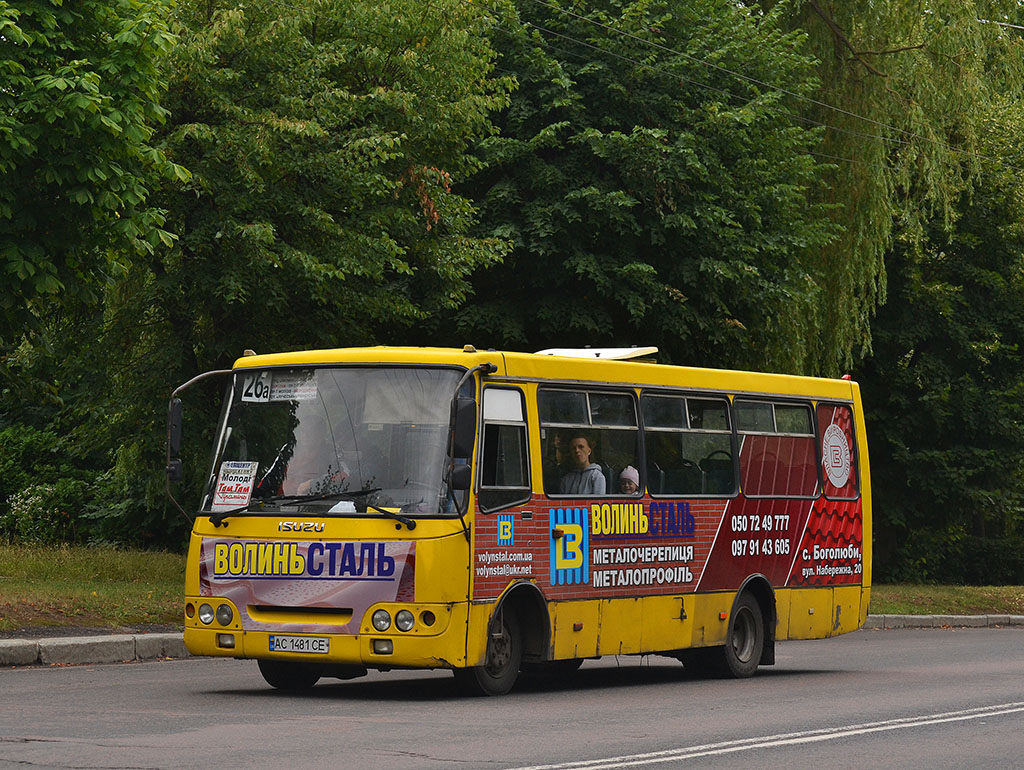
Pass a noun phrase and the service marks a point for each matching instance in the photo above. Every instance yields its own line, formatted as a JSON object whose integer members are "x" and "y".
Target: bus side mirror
{"x": 463, "y": 428}
{"x": 174, "y": 471}
{"x": 462, "y": 476}
{"x": 174, "y": 427}
{"x": 174, "y": 468}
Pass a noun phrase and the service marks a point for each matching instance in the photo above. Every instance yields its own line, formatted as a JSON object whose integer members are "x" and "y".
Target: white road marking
{"x": 783, "y": 739}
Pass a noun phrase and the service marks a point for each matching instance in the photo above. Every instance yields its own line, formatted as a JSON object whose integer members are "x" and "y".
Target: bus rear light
{"x": 383, "y": 647}
{"x": 428, "y": 618}
{"x": 190, "y": 610}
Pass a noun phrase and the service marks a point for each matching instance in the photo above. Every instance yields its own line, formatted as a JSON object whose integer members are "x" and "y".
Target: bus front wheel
{"x": 289, "y": 675}
{"x": 501, "y": 663}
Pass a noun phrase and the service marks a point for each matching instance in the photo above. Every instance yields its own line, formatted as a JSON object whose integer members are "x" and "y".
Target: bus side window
{"x": 689, "y": 445}
{"x": 607, "y": 419}
{"x": 504, "y": 461}
{"x": 838, "y": 453}
{"x": 778, "y": 455}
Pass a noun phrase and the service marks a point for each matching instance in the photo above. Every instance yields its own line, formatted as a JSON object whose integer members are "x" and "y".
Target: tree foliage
{"x": 902, "y": 86}
{"x": 650, "y": 194}
{"x": 323, "y": 138}
{"x": 945, "y": 389}
{"x": 795, "y": 185}
{"x": 80, "y": 90}
{"x": 945, "y": 383}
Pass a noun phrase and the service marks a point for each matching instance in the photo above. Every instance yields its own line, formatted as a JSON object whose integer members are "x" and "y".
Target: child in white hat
{"x": 629, "y": 480}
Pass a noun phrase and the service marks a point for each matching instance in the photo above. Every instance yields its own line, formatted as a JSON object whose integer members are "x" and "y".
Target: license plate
{"x": 320, "y": 645}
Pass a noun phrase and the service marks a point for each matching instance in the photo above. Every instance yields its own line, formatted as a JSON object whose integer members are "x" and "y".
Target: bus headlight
{"x": 225, "y": 615}
{"x": 381, "y": 620}
{"x": 404, "y": 620}
{"x": 206, "y": 614}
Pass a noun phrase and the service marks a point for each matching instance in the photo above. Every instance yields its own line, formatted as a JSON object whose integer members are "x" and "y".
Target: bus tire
{"x": 289, "y": 675}
{"x": 744, "y": 640}
{"x": 501, "y": 664}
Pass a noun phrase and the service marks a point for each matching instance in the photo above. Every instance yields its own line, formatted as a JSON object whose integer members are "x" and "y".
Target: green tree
{"x": 324, "y": 138}
{"x": 902, "y": 86}
{"x": 944, "y": 391}
{"x": 921, "y": 103}
{"x": 651, "y": 196}
{"x": 80, "y": 90}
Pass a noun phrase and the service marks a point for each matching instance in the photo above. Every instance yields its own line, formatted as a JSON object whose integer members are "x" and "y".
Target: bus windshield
{"x": 340, "y": 440}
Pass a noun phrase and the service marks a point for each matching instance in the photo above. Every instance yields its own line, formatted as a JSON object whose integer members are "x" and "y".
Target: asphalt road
{"x": 930, "y": 698}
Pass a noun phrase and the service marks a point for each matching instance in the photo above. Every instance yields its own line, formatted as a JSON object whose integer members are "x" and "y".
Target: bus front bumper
{"x": 441, "y": 647}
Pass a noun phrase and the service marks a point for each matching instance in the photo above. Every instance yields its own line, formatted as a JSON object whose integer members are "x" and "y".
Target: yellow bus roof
{"x": 543, "y": 367}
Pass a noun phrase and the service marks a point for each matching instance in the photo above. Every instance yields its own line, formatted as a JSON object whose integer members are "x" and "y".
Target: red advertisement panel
{"x": 620, "y": 547}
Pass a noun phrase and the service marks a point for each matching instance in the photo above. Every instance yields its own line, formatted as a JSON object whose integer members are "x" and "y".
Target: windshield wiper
{"x": 218, "y": 518}
{"x": 410, "y": 523}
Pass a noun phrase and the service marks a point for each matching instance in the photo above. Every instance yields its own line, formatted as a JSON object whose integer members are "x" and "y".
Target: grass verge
{"x": 947, "y": 600}
{"x": 115, "y": 588}
{"x": 89, "y": 587}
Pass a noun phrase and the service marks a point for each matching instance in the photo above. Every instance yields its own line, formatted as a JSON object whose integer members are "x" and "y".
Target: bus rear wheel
{"x": 289, "y": 675}
{"x": 744, "y": 640}
{"x": 501, "y": 663}
{"x": 744, "y": 645}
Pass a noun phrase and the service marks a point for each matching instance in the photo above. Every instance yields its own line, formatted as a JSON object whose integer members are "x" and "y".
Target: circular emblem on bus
{"x": 836, "y": 453}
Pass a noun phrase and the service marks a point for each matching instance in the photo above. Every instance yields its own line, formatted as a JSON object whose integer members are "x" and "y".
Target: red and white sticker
{"x": 293, "y": 387}
{"x": 835, "y": 452}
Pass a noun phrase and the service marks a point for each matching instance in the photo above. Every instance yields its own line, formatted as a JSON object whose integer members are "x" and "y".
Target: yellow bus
{"x": 493, "y": 512}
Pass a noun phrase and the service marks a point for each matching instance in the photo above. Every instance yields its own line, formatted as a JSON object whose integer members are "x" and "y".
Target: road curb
{"x": 112, "y": 648}
{"x": 123, "y": 648}
{"x": 887, "y": 622}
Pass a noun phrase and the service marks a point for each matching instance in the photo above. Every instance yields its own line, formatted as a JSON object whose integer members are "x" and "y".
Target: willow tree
{"x": 945, "y": 394}
{"x": 904, "y": 88}
{"x": 945, "y": 380}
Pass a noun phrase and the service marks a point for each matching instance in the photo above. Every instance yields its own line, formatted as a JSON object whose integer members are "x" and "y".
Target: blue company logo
{"x": 506, "y": 530}
{"x": 570, "y": 546}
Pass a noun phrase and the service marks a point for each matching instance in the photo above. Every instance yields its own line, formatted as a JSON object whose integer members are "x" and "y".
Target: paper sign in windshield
{"x": 261, "y": 387}
{"x": 234, "y": 485}
{"x": 292, "y": 387}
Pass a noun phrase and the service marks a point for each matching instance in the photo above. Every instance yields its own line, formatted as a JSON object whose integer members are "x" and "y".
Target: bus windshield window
{"x": 335, "y": 433}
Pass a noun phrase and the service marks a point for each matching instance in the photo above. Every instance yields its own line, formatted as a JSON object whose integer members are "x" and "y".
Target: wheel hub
{"x": 499, "y": 653}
